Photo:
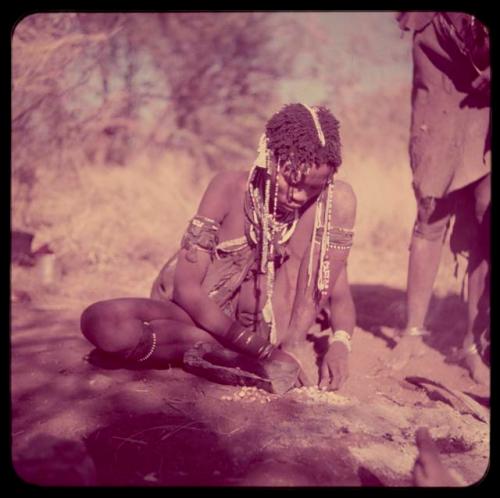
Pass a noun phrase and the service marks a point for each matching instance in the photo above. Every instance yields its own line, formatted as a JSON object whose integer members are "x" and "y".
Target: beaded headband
{"x": 262, "y": 153}
{"x": 314, "y": 114}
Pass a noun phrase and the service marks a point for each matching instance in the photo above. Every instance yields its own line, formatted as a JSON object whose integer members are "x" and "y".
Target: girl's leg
{"x": 173, "y": 339}
{"x": 125, "y": 326}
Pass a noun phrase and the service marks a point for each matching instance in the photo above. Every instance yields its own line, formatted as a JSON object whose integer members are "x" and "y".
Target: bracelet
{"x": 340, "y": 336}
{"x": 248, "y": 342}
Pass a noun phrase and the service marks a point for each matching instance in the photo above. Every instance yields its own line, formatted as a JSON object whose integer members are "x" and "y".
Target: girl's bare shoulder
{"x": 226, "y": 181}
{"x": 345, "y": 189}
{"x": 344, "y": 204}
{"x": 216, "y": 201}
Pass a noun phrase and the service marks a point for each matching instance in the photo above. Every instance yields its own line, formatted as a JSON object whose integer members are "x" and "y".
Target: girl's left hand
{"x": 335, "y": 367}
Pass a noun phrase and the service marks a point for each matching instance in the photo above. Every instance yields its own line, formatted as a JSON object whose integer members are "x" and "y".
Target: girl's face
{"x": 294, "y": 191}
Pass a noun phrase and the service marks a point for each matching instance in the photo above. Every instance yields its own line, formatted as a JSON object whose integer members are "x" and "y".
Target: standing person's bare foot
{"x": 478, "y": 371}
{"x": 470, "y": 358}
{"x": 410, "y": 346}
{"x": 429, "y": 470}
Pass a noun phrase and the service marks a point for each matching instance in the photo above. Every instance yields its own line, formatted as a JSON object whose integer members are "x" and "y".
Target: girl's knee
{"x": 88, "y": 319}
{"x": 92, "y": 317}
{"x": 102, "y": 324}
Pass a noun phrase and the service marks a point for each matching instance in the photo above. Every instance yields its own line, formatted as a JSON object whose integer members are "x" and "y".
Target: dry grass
{"x": 112, "y": 224}
{"x": 113, "y": 227}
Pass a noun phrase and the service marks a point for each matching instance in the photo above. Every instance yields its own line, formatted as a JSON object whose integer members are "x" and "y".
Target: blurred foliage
{"x": 103, "y": 87}
{"x": 167, "y": 98}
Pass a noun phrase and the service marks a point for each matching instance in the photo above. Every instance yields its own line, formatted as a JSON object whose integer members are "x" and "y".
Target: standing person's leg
{"x": 423, "y": 266}
{"x": 139, "y": 328}
{"x": 428, "y": 235}
{"x": 478, "y": 282}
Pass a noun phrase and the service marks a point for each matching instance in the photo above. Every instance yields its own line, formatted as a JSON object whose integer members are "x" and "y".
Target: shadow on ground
{"x": 380, "y": 310}
{"x": 159, "y": 449}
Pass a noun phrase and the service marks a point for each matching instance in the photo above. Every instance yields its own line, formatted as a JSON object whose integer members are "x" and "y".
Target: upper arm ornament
{"x": 201, "y": 234}
{"x": 338, "y": 237}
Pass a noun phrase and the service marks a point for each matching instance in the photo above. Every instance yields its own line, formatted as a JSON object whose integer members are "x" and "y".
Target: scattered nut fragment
{"x": 248, "y": 393}
{"x": 315, "y": 394}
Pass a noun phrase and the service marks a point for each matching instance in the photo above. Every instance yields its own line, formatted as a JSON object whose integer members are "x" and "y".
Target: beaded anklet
{"x": 151, "y": 351}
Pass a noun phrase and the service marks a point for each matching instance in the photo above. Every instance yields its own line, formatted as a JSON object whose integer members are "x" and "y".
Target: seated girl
{"x": 265, "y": 252}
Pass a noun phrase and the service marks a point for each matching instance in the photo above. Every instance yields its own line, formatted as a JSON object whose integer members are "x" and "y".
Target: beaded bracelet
{"x": 340, "y": 336}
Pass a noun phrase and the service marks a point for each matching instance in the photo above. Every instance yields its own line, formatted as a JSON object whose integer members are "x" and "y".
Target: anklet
{"x": 472, "y": 349}
{"x": 151, "y": 351}
{"x": 415, "y": 332}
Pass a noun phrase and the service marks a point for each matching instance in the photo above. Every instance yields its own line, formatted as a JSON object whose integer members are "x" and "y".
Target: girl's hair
{"x": 293, "y": 138}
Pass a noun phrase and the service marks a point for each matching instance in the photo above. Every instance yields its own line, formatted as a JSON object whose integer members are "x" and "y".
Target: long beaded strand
{"x": 324, "y": 268}
{"x": 317, "y": 225}
{"x": 270, "y": 229}
{"x": 265, "y": 227}
{"x": 271, "y": 269}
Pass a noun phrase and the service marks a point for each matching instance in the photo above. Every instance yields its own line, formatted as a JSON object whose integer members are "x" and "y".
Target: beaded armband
{"x": 338, "y": 237}
{"x": 201, "y": 234}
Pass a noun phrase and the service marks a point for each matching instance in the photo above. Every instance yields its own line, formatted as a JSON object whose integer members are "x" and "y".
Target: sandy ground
{"x": 169, "y": 427}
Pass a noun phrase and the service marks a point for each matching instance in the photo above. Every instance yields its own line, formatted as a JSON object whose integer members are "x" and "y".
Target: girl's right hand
{"x": 284, "y": 371}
